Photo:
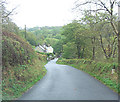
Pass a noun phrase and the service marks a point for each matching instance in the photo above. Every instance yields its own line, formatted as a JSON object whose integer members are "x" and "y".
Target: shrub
{"x": 15, "y": 50}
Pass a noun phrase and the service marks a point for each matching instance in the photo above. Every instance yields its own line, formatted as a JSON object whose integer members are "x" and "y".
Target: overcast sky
{"x": 42, "y": 12}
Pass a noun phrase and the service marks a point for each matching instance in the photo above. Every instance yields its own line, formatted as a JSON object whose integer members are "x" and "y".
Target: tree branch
{"x": 88, "y": 2}
{"x": 10, "y": 12}
{"x": 112, "y": 46}
{"x": 94, "y": 10}
{"x": 114, "y": 28}
{"x": 114, "y": 50}
{"x": 103, "y": 46}
{"x": 105, "y": 7}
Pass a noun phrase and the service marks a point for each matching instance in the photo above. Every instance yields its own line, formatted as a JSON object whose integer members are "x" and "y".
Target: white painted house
{"x": 44, "y": 48}
{"x": 49, "y": 49}
{"x": 39, "y": 49}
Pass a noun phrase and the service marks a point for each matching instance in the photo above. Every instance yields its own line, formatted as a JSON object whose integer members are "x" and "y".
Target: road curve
{"x": 63, "y": 82}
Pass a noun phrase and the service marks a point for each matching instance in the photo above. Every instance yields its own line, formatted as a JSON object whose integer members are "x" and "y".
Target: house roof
{"x": 41, "y": 47}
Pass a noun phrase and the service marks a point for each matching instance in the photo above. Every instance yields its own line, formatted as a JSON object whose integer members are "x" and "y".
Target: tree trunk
{"x": 114, "y": 50}
{"x": 83, "y": 53}
{"x": 93, "y": 43}
{"x": 78, "y": 50}
{"x": 103, "y": 46}
{"x": 111, "y": 49}
{"x": 93, "y": 53}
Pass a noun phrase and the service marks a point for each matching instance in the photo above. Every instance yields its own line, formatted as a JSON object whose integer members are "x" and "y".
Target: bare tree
{"x": 107, "y": 6}
{"x": 4, "y": 12}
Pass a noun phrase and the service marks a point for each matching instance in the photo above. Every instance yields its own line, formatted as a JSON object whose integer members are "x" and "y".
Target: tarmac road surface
{"x": 63, "y": 82}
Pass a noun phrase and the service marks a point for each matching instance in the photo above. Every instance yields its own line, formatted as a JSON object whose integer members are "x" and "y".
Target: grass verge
{"x": 18, "y": 79}
{"x": 99, "y": 70}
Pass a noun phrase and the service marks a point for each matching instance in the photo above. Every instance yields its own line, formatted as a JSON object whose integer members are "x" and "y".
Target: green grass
{"x": 20, "y": 78}
{"x": 22, "y": 67}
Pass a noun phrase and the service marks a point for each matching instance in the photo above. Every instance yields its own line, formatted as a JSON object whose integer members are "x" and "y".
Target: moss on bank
{"x": 101, "y": 71}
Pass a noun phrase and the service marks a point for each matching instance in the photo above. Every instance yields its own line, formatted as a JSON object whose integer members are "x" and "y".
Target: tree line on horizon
{"x": 92, "y": 36}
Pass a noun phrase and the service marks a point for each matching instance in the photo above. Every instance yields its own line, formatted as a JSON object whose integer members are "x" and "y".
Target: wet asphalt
{"x": 63, "y": 82}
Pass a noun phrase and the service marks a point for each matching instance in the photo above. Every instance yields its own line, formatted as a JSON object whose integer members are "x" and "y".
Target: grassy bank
{"x": 101, "y": 71}
{"x": 22, "y": 66}
{"x": 20, "y": 78}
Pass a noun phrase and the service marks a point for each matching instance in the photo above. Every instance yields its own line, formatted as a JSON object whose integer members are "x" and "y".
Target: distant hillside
{"x": 48, "y": 35}
{"x": 43, "y": 33}
{"x": 22, "y": 66}
{"x": 46, "y": 29}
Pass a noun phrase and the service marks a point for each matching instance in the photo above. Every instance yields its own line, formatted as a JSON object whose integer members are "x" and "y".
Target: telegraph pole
{"x": 25, "y": 32}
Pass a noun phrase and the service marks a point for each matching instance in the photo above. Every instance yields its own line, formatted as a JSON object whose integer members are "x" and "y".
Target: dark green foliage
{"x": 69, "y": 51}
{"x": 58, "y": 47}
{"x": 32, "y": 39}
{"x": 74, "y": 33}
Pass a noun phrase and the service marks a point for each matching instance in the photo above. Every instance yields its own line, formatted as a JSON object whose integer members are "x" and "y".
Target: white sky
{"x": 42, "y": 12}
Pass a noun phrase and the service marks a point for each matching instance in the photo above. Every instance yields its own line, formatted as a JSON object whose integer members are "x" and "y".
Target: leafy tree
{"x": 68, "y": 51}
{"x": 58, "y": 47}
{"x": 31, "y": 38}
{"x": 74, "y": 32}
{"x": 100, "y": 30}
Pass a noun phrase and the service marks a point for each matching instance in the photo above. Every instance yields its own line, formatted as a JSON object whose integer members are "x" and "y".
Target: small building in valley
{"x": 49, "y": 49}
{"x": 44, "y": 48}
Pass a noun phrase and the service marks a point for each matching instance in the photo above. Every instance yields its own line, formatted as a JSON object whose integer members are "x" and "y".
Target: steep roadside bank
{"x": 22, "y": 66}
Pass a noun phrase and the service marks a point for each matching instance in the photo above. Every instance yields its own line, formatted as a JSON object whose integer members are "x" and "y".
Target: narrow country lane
{"x": 63, "y": 82}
